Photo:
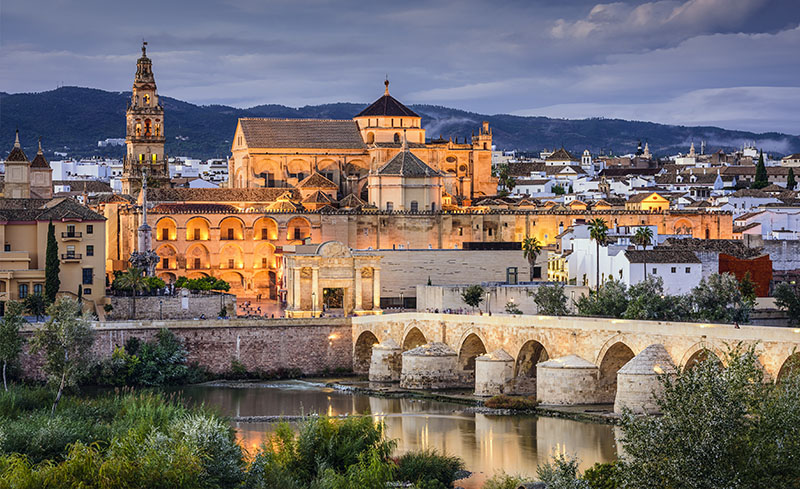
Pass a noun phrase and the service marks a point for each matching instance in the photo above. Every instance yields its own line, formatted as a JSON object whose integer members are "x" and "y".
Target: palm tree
{"x": 531, "y": 248}
{"x": 643, "y": 237}
{"x": 598, "y": 231}
{"x": 133, "y": 279}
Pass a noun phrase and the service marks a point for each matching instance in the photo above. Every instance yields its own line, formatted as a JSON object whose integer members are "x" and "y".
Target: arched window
{"x": 397, "y": 137}
{"x": 414, "y": 206}
{"x": 158, "y": 129}
{"x": 147, "y": 128}
{"x": 138, "y": 128}
{"x": 390, "y": 206}
{"x": 146, "y": 99}
{"x": 370, "y": 137}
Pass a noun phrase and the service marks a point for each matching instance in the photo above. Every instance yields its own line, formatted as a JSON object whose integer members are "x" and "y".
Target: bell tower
{"x": 144, "y": 135}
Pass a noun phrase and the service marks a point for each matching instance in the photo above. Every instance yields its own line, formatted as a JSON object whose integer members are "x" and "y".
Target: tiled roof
{"x": 285, "y": 205}
{"x": 301, "y": 133}
{"x": 733, "y": 247}
{"x": 387, "y": 106}
{"x": 318, "y": 197}
{"x": 351, "y": 201}
{"x": 194, "y": 209}
{"x": 522, "y": 181}
{"x": 741, "y": 229}
{"x": 624, "y": 172}
{"x": 16, "y": 154}
{"x": 641, "y": 197}
{"x": 39, "y": 161}
{"x": 751, "y": 192}
{"x": 561, "y": 155}
{"x": 748, "y": 215}
{"x": 218, "y": 194}
{"x": 661, "y": 256}
{"x": 406, "y": 164}
{"x": 46, "y": 210}
{"x": 315, "y": 180}
{"x": 524, "y": 169}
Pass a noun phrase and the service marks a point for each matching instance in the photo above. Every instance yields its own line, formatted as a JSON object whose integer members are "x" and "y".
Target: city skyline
{"x": 696, "y": 62}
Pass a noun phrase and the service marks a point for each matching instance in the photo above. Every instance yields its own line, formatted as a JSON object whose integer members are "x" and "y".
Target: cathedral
{"x": 371, "y": 182}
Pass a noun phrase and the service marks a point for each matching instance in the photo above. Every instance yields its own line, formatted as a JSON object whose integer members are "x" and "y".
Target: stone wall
{"x": 309, "y": 345}
{"x": 441, "y": 298}
{"x": 180, "y": 306}
{"x": 403, "y": 270}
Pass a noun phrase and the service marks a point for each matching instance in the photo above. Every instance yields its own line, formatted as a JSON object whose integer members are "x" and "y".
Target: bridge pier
{"x": 430, "y": 366}
{"x": 638, "y": 386}
{"x": 567, "y": 380}
{"x": 494, "y": 373}
{"x": 386, "y": 363}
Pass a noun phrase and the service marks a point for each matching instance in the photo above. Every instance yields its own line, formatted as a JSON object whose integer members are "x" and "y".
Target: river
{"x": 487, "y": 443}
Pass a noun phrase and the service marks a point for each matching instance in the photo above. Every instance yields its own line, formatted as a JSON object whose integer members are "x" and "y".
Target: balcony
{"x": 71, "y": 257}
{"x": 71, "y": 236}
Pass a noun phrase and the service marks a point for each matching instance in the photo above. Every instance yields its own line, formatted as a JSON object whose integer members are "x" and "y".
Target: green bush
{"x": 511, "y": 402}
{"x": 428, "y": 465}
{"x": 501, "y": 480}
{"x": 603, "y": 476}
{"x": 204, "y": 283}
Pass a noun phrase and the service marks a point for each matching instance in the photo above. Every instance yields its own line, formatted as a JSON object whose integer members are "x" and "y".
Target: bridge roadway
{"x": 607, "y": 343}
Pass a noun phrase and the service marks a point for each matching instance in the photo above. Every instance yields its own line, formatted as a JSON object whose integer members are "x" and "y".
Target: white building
{"x": 744, "y": 201}
{"x": 770, "y": 223}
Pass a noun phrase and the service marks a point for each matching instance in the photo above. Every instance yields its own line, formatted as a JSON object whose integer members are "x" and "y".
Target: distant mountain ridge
{"x": 73, "y": 119}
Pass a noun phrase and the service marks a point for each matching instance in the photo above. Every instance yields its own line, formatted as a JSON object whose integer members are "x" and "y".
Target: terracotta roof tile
{"x": 315, "y": 180}
{"x": 407, "y": 164}
{"x": 301, "y": 133}
{"x": 660, "y": 255}
{"x": 218, "y": 194}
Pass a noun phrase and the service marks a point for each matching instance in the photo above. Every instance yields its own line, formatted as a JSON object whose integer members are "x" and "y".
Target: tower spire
{"x": 16, "y": 141}
{"x": 40, "y": 146}
{"x": 386, "y": 83}
{"x": 405, "y": 141}
{"x": 144, "y": 48}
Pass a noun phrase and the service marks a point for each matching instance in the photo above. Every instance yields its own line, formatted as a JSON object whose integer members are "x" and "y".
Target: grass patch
{"x": 519, "y": 403}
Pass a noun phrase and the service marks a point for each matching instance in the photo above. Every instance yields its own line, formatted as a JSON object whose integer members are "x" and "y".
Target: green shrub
{"x": 428, "y": 465}
{"x": 503, "y": 401}
{"x": 604, "y": 476}
{"x": 501, "y": 480}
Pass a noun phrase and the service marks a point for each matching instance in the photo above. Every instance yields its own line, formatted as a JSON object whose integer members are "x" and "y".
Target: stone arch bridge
{"x": 601, "y": 343}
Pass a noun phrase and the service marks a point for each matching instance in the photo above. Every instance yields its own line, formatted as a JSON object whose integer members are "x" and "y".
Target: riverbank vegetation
{"x": 146, "y": 440}
{"x": 717, "y": 298}
{"x": 518, "y": 403}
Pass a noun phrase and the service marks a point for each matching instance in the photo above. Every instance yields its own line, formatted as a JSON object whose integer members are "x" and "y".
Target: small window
{"x": 673, "y": 269}
{"x": 90, "y": 229}
{"x": 461, "y": 231}
{"x": 7, "y": 247}
{"x": 165, "y": 234}
{"x": 23, "y": 291}
{"x": 230, "y": 263}
{"x": 264, "y": 262}
{"x": 88, "y": 274}
{"x": 87, "y": 291}
{"x": 390, "y": 206}
{"x": 89, "y": 250}
{"x": 655, "y": 271}
{"x": 38, "y": 288}
{"x": 414, "y": 206}
{"x": 197, "y": 263}
{"x": 297, "y": 233}
{"x": 196, "y": 233}
{"x": 165, "y": 263}
{"x": 71, "y": 230}
{"x": 264, "y": 233}
{"x": 230, "y": 233}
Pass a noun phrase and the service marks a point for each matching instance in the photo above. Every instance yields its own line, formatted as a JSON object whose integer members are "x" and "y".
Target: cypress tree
{"x": 761, "y": 180}
{"x": 52, "y": 268}
{"x": 790, "y": 182}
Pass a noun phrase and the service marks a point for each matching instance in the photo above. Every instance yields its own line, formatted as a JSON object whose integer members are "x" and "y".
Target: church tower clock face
{"x": 144, "y": 130}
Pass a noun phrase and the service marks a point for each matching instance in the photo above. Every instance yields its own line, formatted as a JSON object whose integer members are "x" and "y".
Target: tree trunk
{"x": 5, "y": 385}
{"x": 597, "y": 262}
{"x": 60, "y": 390}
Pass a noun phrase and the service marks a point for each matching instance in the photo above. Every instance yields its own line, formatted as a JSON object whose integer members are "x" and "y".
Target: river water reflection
{"x": 514, "y": 444}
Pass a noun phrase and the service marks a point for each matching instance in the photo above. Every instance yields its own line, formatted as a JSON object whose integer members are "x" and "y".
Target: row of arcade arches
{"x": 232, "y": 228}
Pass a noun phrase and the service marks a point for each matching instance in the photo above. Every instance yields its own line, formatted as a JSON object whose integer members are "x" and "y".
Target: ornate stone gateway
{"x": 332, "y": 280}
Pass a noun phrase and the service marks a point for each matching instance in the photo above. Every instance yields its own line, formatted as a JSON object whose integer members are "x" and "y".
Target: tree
{"x": 504, "y": 178}
{"x": 718, "y": 298}
{"x": 610, "y": 301}
{"x": 598, "y": 231}
{"x": 10, "y": 339}
{"x": 761, "y": 180}
{"x": 643, "y": 237}
{"x": 747, "y": 287}
{"x": 473, "y": 295}
{"x": 647, "y": 300}
{"x": 512, "y": 308}
{"x": 787, "y": 298}
{"x": 52, "y": 267}
{"x": 36, "y": 304}
{"x": 531, "y": 248}
{"x": 721, "y": 426}
{"x": 132, "y": 280}
{"x": 558, "y": 189}
{"x": 791, "y": 183}
{"x": 550, "y": 300}
{"x": 66, "y": 340}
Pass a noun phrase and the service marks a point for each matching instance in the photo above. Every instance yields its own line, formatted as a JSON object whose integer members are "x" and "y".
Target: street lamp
{"x": 402, "y": 302}
{"x": 313, "y": 304}
{"x": 160, "y": 309}
{"x": 488, "y": 310}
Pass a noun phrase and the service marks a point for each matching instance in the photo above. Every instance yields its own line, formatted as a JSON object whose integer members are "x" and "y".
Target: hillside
{"x": 73, "y": 119}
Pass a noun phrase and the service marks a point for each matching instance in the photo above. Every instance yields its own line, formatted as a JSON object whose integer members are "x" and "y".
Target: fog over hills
{"x": 73, "y": 119}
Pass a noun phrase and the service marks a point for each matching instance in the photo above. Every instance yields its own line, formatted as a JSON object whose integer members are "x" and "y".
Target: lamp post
{"x": 313, "y": 304}
{"x": 160, "y": 309}
{"x": 488, "y": 310}
{"x": 402, "y": 302}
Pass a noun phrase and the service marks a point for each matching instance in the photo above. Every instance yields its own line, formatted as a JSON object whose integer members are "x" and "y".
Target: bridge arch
{"x": 789, "y": 366}
{"x": 699, "y": 352}
{"x": 362, "y": 351}
{"x": 413, "y": 338}
{"x": 531, "y": 353}
{"x": 472, "y": 346}
{"x": 613, "y": 359}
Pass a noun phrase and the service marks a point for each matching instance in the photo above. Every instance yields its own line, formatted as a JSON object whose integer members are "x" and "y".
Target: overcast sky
{"x": 731, "y": 63}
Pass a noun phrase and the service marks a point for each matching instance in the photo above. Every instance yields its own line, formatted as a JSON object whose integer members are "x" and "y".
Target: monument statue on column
{"x": 144, "y": 258}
